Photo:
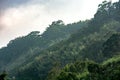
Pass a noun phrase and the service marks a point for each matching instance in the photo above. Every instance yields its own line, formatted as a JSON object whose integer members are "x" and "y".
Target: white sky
{"x": 37, "y": 15}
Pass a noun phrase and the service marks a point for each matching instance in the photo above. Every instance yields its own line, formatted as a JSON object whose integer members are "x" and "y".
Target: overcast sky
{"x": 19, "y": 17}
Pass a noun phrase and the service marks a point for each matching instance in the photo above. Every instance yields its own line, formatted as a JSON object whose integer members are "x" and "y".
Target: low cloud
{"x": 11, "y": 3}
{"x": 1, "y": 26}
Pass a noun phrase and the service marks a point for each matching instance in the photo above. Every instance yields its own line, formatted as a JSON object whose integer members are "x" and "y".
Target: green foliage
{"x": 22, "y": 49}
{"x": 32, "y": 57}
{"x": 108, "y": 71}
{"x": 85, "y": 44}
{"x": 54, "y": 72}
{"x": 112, "y": 46}
{"x": 3, "y": 75}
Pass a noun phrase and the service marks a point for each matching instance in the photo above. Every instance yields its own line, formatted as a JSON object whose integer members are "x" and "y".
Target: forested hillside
{"x": 87, "y": 50}
{"x": 20, "y": 49}
{"x": 88, "y": 70}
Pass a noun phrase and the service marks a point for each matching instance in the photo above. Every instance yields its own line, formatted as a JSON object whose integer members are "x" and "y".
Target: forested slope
{"x": 80, "y": 56}
{"x": 89, "y": 43}
{"x": 23, "y": 49}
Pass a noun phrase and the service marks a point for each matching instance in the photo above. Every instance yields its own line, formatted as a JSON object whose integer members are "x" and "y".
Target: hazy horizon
{"x": 18, "y": 18}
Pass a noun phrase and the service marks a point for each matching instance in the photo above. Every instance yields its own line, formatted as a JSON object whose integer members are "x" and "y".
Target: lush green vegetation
{"x": 3, "y": 75}
{"x": 88, "y": 70}
{"x": 85, "y": 50}
{"x": 22, "y": 49}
